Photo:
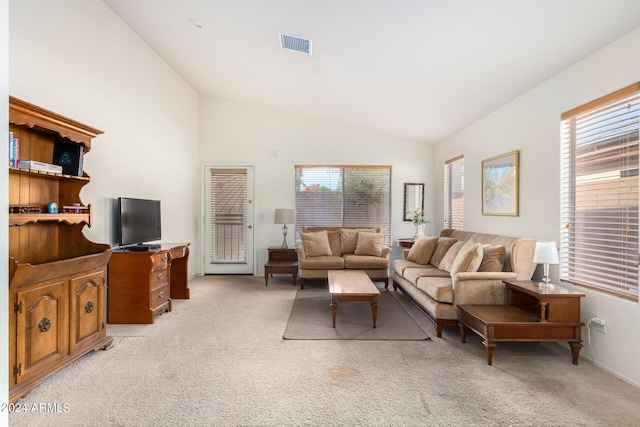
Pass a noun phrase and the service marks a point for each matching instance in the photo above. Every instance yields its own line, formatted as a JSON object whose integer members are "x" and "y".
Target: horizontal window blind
{"x": 599, "y": 246}
{"x": 228, "y": 228}
{"x": 454, "y": 193}
{"x": 352, "y": 196}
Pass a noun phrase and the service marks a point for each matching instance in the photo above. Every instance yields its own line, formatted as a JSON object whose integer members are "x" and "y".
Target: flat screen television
{"x": 139, "y": 223}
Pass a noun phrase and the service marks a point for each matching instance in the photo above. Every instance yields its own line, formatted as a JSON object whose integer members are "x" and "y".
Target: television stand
{"x": 143, "y": 247}
{"x": 142, "y": 284}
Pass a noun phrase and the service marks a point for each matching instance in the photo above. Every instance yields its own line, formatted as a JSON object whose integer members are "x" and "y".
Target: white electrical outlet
{"x": 601, "y": 324}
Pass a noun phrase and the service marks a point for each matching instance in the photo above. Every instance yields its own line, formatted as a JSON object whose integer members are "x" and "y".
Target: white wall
{"x": 531, "y": 124}
{"x": 4, "y": 205}
{"x": 80, "y": 60}
{"x": 233, "y": 133}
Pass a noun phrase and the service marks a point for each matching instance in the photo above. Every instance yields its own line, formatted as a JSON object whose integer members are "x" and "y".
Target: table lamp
{"x": 285, "y": 216}
{"x": 546, "y": 253}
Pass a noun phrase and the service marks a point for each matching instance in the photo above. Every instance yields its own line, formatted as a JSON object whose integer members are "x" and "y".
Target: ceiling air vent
{"x": 295, "y": 43}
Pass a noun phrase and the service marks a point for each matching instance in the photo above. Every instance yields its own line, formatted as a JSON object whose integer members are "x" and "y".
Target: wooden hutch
{"x": 57, "y": 277}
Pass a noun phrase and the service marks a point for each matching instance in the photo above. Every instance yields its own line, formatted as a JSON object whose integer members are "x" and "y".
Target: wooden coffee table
{"x": 352, "y": 286}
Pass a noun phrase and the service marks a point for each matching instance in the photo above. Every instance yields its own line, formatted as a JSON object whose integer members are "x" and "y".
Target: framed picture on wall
{"x": 500, "y": 182}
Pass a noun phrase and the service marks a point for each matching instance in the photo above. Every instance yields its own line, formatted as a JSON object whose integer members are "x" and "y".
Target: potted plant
{"x": 419, "y": 221}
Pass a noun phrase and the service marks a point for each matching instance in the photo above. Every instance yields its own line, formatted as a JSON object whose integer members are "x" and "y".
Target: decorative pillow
{"x": 316, "y": 243}
{"x": 422, "y": 250}
{"x": 443, "y": 246}
{"x": 349, "y": 237}
{"x": 450, "y": 256}
{"x": 468, "y": 259}
{"x": 493, "y": 258}
{"x": 369, "y": 243}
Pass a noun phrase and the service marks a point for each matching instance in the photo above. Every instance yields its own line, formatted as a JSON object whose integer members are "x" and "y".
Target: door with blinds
{"x": 228, "y": 220}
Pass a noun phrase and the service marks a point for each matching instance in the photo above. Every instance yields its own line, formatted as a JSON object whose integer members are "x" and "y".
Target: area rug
{"x": 310, "y": 319}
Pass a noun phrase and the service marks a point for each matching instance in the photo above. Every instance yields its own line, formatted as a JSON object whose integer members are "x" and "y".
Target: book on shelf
{"x": 69, "y": 156}
{"x": 14, "y": 150}
{"x": 39, "y": 166}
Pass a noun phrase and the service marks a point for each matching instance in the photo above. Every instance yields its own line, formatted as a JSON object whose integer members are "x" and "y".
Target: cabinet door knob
{"x": 88, "y": 307}
{"x": 44, "y": 324}
{"x": 160, "y": 294}
{"x": 159, "y": 275}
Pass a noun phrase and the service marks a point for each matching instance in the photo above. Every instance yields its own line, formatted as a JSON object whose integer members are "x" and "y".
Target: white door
{"x": 228, "y": 220}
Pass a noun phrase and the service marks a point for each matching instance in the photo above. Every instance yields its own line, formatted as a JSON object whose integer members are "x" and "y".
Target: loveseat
{"x": 461, "y": 267}
{"x": 336, "y": 248}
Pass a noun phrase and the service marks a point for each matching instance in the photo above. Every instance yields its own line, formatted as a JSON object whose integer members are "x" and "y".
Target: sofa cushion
{"x": 400, "y": 265}
{"x": 364, "y": 261}
{"x": 468, "y": 259}
{"x": 316, "y": 243}
{"x": 443, "y": 246}
{"x": 493, "y": 258}
{"x": 349, "y": 238}
{"x": 450, "y": 256}
{"x": 322, "y": 263}
{"x": 413, "y": 274}
{"x": 369, "y": 243}
{"x": 422, "y": 250}
{"x": 335, "y": 243}
{"x": 438, "y": 288}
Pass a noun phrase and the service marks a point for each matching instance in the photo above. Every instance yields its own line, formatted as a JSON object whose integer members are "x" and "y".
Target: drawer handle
{"x": 160, "y": 294}
{"x": 88, "y": 307}
{"x": 159, "y": 275}
{"x": 44, "y": 325}
{"x": 165, "y": 257}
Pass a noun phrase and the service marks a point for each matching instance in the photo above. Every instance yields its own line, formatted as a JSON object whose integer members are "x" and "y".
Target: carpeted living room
{"x": 361, "y": 213}
{"x": 219, "y": 358}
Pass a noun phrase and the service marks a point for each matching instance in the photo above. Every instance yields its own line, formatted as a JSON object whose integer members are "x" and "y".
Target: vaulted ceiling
{"x": 418, "y": 69}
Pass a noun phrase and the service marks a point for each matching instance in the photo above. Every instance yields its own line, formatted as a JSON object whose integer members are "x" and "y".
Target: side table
{"x": 407, "y": 242}
{"x": 532, "y": 313}
{"x": 281, "y": 261}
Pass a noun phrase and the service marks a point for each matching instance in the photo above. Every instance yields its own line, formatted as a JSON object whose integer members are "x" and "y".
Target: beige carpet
{"x": 311, "y": 319}
{"x": 219, "y": 359}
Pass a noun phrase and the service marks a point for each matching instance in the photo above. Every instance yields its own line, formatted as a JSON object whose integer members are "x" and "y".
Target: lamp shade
{"x": 285, "y": 216}
{"x": 546, "y": 253}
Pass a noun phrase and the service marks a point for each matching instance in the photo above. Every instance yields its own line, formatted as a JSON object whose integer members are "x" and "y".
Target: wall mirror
{"x": 413, "y": 199}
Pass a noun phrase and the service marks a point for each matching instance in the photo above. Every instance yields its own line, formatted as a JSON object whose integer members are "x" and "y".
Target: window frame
{"x": 339, "y": 220}
{"x": 590, "y": 226}
{"x": 453, "y": 217}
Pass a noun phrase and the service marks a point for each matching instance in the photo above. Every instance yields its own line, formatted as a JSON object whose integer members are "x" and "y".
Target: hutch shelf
{"x": 57, "y": 277}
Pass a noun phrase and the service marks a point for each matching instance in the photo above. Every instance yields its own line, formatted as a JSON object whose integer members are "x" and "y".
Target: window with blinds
{"x": 454, "y": 193}
{"x": 599, "y": 239}
{"x": 350, "y": 196}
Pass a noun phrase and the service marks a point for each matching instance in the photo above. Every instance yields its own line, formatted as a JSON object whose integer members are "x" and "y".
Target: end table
{"x": 281, "y": 261}
{"x": 407, "y": 242}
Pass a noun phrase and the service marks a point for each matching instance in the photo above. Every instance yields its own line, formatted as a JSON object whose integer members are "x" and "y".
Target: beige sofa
{"x": 461, "y": 267}
{"x": 336, "y": 248}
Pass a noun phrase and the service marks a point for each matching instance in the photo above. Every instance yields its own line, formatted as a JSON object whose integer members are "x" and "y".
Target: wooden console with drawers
{"x": 141, "y": 284}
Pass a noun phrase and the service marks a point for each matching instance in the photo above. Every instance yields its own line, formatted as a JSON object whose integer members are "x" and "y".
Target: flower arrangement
{"x": 418, "y": 218}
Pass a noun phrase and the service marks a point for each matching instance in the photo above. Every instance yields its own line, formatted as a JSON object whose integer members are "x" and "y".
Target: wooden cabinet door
{"x": 42, "y": 329}
{"x": 88, "y": 313}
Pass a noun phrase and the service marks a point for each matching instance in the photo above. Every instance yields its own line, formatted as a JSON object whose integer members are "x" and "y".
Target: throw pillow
{"x": 349, "y": 237}
{"x": 443, "y": 246}
{"x": 422, "y": 250}
{"x": 316, "y": 243}
{"x": 369, "y": 243}
{"x": 493, "y": 258}
{"x": 468, "y": 259}
{"x": 450, "y": 256}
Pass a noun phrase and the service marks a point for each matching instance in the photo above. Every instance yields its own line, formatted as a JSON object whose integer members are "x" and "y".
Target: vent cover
{"x": 295, "y": 43}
